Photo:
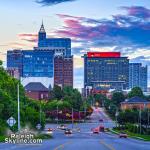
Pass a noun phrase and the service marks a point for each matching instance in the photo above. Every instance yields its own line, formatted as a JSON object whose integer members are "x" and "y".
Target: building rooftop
{"x": 136, "y": 99}
{"x": 35, "y": 86}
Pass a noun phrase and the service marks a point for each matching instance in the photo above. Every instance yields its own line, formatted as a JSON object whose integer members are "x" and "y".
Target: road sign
{"x": 11, "y": 121}
{"x": 38, "y": 126}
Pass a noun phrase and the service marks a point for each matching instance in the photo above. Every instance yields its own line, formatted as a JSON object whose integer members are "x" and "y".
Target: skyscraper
{"x": 15, "y": 60}
{"x": 37, "y": 65}
{"x": 138, "y": 76}
{"x": 64, "y": 43}
{"x": 106, "y": 70}
{"x": 63, "y": 71}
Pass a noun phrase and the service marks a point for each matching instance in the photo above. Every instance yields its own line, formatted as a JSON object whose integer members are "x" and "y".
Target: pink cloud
{"x": 28, "y": 37}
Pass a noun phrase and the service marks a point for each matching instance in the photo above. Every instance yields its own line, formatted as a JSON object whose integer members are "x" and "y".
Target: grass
{"x": 2, "y": 138}
{"x": 44, "y": 136}
{"x": 134, "y": 135}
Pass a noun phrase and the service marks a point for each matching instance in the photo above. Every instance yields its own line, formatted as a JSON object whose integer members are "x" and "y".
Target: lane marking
{"x": 62, "y": 146}
{"x": 107, "y": 145}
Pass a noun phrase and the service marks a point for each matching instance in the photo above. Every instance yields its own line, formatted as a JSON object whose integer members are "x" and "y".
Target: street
{"x": 85, "y": 139}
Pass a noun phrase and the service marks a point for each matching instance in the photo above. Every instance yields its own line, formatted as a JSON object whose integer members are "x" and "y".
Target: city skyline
{"x": 114, "y": 27}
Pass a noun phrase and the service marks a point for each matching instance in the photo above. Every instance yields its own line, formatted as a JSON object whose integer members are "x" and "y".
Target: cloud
{"x": 138, "y": 11}
{"x": 29, "y": 37}
{"x": 52, "y": 2}
{"x": 127, "y": 31}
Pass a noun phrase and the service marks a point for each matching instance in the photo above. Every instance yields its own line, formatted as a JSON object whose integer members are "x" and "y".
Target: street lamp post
{"x": 140, "y": 120}
{"x": 18, "y": 99}
{"x": 72, "y": 118}
{"x": 57, "y": 114}
{"x": 18, "y": 107}
{"x": 148, "y": 117}
{"x": 116, "y": 115}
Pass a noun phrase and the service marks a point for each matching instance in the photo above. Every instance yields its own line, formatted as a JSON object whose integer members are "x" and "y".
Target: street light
{"x": 116, "y": 115}
{"x": 148, "y": 117}
{"x": 18, "y": 99}
{"x": 18, "y": 107}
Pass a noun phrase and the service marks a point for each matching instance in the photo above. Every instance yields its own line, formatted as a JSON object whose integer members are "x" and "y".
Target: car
{"x": 100, "y": 120}
{"x": 106, "y": 129}
{"x": 101, "y": 128}
{"x": 95, "y": 130}
{"x": 50, "y": 130}
{"x": 123, "y": 135}
{"x": 68, "y": 131}
{"x": 62, "y": 127}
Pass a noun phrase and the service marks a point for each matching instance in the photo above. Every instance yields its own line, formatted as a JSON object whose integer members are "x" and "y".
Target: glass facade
{"x": 38, "y": 63}
{"x": 106, "y": 72}
{"x": 138, "y": 76}
{"x": 14, "y": 60}
{"x": 32, "y": 63}
{"x": 54, "y": 42}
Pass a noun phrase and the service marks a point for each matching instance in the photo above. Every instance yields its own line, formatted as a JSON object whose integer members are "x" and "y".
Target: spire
{"x": 42, "y": 30}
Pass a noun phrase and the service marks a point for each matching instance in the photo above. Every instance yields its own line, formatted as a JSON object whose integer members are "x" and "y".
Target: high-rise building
{"x": 64, "y": 43}
{"x": 14, "y": 60}
{"x": 138, "y": 76}
{"x": 14, "y": 72}
{"x": 37, "y": 65}
{"x": 63, "y": 71}
{"x": 106, "y": 70}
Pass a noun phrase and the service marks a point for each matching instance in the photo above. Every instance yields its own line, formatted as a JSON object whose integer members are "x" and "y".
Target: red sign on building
{"x": 103, "y": 54}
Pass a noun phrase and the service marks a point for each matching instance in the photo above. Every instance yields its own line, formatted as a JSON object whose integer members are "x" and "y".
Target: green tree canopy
{"x": 136, "y": 91}
{"x": 117, "y": 98}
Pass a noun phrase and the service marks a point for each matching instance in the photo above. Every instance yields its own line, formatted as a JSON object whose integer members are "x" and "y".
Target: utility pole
{"x": 72, "y": 118}
{"x": 84, "y": 113}
{"x": 18, "y": 107}
{"x": 40, "y": 112}
{"x": 140, "y": 120}
{"x": 57, "y": 114}
{"x": 148, "y": 117}
{"x": 79, "y": 116}
{"x": 116, "y": 115}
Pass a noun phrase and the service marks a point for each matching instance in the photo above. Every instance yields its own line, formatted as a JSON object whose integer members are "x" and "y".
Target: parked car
{"x": 123, "y": 135}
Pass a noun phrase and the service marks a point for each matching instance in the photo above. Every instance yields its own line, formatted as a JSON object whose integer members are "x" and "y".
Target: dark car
{"x": 123, "y": 135}
{"x": 100, "y": 120}
{"x": 101, "y": 128}
{"x": 68, "y": 131}
{"x": 62, "y": 127}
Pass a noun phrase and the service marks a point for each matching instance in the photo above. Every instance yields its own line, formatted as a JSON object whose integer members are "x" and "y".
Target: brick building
{"x": 63, "y": 71}
{"x": 135, "y": 102}
{"x": 37, "y": 90}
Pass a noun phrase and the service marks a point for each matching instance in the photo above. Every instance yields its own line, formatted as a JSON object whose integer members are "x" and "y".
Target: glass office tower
{"x": 106, "y": 70}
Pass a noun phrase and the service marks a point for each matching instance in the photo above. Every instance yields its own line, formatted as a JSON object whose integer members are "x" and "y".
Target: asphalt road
{"x": 85, "y": 139}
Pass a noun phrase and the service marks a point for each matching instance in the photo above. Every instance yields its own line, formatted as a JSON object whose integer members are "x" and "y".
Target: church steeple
{"x": 42, "y": 29}
{"x": 42, "y": 33}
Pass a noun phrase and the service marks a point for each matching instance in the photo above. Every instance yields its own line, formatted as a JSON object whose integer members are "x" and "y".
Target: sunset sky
{"x": 93, "y": 25}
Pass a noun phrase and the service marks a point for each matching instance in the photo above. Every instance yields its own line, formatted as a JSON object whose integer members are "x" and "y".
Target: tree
{"x": 1, "y": 62}
{"x": 117, "y": 98}
{"x": 57, "y": 92}
{"x": 29, "y": 110}
{"x": 136, "y": 91}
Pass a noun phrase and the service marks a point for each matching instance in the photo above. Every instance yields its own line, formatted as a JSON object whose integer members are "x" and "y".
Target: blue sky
{"x": 93, "y": 25}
